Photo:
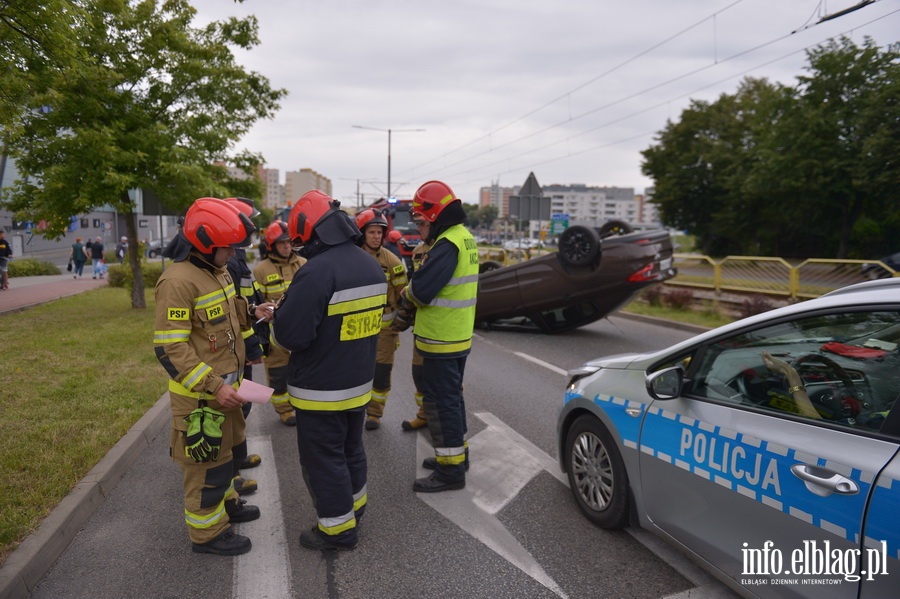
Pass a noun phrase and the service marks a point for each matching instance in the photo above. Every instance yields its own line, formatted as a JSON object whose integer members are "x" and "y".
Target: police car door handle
{"x": 824, "y": 482}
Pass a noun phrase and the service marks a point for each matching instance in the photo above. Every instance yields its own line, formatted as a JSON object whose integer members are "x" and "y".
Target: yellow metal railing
{"x": 770, "y": 276}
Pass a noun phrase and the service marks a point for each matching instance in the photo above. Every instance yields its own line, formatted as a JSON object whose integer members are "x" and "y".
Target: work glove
{"x": 404, "y": 319}
{"x": 203, "y": 439}
{"x": 195, "y": 445}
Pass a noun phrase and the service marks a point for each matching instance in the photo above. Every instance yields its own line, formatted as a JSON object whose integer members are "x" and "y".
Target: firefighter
{"x": 418, "y": 421}
{"x": 199, "y": 324}
{"x": 329, "y": 320}
{"x": 248, "y": 289}
{"x": 275, "y": 274}
{"x": 373, "y": 226}
{"x": 392, "y": 241}
{"x": 443, "y": 291}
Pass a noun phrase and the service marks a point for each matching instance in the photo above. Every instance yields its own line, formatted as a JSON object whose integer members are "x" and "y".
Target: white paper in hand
{"x": 255, "y": 392}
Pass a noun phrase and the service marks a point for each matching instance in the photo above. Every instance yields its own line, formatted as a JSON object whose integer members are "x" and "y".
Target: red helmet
{"x": 431, "y": 199}
{"x": 276, "y": 232}
{"x": 306, "y": 213}
{"x": 394, "y": 236}
{"x": 245, "y": 205}
{"x": 370, "y": 216}
{"x": 213, "y": 223}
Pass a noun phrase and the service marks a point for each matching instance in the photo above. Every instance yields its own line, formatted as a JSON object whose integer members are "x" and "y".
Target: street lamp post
{"x": 389, "y": 131}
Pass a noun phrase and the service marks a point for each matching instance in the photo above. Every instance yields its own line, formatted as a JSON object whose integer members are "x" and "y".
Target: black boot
{"x": 313, "y": 539}
{"x": 432, "y": 484}
{"x": 431, "y": 463}
{"x": 227, "y": 543}
{"x": 241, "y": 512}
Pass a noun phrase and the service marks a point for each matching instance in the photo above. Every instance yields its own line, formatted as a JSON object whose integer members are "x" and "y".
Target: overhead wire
{"x": 570, "y": 119}
{"x": 636, "y": 113}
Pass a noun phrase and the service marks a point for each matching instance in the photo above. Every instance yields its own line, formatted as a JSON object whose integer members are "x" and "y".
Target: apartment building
{"x": 497, "y": 196}
{"x": 296, "y": 183}
{"x": 593, "y": 206}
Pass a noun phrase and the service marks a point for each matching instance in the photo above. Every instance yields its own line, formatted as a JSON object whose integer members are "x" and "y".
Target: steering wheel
{"x": 844, "y": 405}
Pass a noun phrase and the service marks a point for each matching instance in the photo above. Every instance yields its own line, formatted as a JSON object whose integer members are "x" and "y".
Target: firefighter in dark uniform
{"x": 199, "y": 324}
{"x": 419, "y": 420}
{"x": 329, "y": 320}
{"x": 247, "y": 288}
{"x": 373, "y": 225}
{"x": 444, "y": 291}
{"x": 274, "y": 275}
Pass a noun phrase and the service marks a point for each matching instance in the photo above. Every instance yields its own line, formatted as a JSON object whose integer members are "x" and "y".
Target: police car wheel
{"x": 596, "y": 473}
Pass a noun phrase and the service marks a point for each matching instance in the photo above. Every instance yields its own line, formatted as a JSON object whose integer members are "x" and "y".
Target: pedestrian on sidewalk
{"x": 5, "y": 255}
{"x": 97, "y": 257}
{"x": 78, "y": 256}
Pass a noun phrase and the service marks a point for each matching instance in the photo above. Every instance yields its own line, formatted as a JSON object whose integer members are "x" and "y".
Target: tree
{"x": 151, "y": 102}
{"x": 487, "y": 214}
{"x": 794, "y": 171}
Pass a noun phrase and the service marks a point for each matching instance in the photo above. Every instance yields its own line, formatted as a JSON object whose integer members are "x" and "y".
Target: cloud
{"x": 572, "y": 89}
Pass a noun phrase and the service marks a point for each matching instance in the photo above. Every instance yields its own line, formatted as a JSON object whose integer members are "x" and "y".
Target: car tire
{"x": 614, "y": 227}
{"x": 489, "y": 265}
{"x": 597, "y": 474}
{"x": 151, "y": 254}
{"x": 579, "y": 246}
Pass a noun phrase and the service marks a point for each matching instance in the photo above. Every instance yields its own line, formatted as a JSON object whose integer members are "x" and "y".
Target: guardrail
{"x": 770, "y": 276}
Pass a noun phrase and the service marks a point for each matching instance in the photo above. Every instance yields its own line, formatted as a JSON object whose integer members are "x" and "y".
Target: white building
{"x": 594, "y": 206}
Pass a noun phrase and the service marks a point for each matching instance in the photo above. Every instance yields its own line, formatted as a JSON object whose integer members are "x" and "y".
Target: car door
{"x": 775, "y": 499}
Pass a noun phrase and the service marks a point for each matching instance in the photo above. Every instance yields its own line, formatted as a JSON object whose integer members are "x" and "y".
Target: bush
{"x": 679, "y": 299}
{"x": 755, "y": 304}
{"x": 30, "y": 267}
{"x": 653, "y": 295}
{"x": 120, "y": 275}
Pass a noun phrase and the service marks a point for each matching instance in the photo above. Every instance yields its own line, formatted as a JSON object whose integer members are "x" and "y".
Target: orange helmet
{"x": 431, "y": 199}
{"x": 212, "y": 223}
{"x": 306, "y": 214}
{"x": 394, "y": 236}
{"x": 276, "y": 232}
{"x": 245, "y": 205}
{"x": 370, "y": 216}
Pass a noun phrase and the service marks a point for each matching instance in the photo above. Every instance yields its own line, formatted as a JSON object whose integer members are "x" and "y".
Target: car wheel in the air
{"x": 614, "y": 227}
{"x": 488, "y": 265}
{"x": 579, "y": 246}
{"x": 597, "y": 474}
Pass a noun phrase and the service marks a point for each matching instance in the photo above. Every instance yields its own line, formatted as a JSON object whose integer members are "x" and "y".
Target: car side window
{"x": 841, "y": 368}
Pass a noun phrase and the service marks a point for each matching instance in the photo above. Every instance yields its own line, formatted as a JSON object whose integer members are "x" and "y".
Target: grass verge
{"x": 77, "y": 374}
{"x": 709, "y": 317}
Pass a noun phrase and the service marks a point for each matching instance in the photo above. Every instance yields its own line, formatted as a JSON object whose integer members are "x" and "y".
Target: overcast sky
{"x": 572, "y": 90}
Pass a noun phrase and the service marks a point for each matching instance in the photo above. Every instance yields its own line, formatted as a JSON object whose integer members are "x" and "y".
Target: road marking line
{"x": 539, "y": 362}
{"x": 265, "y": 571}
{"x": 464, "y": 510}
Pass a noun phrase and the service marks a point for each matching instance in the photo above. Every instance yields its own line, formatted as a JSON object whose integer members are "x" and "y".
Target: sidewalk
{"x": 25, "y": 292}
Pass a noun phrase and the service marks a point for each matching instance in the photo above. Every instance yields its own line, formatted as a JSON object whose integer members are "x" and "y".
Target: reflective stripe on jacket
{"x": 199, "y": 326}
{"x": 444, "y": 326}
{"x": 331, "y": 329}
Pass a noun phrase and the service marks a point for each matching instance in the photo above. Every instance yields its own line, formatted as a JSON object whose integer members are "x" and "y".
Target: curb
{"x": 31, "y": 560}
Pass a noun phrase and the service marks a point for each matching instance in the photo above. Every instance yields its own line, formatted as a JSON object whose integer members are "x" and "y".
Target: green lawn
{"x": 77, "y": 374}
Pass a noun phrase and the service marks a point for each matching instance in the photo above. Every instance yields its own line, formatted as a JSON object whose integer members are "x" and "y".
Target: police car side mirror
{"x": 666, "y": 384}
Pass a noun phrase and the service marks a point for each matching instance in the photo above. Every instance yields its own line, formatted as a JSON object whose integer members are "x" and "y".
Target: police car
{"x": 767, "y": 449}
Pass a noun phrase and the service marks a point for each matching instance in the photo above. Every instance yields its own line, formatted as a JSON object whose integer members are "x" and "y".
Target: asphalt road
{"x": 514, "y": 531}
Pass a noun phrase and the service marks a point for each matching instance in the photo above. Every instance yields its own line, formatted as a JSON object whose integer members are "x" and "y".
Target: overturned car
{"x": 594, "y": 273}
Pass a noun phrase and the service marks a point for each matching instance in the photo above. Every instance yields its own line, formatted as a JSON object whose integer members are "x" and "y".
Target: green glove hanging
{"x": 212, "y": 431}
{"x": 203, "y": 439}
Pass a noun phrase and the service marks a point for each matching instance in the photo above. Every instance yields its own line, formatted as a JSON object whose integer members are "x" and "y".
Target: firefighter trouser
{"x": 388, "y": 342}
{"x": 333, "y": 462}
{"x": 240, "y": 450}
{"x": 207, "y": 485}
{"x": 417, "y": 381}
{"x": 445, "y": 411}
{"x": 278, "y": 381}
